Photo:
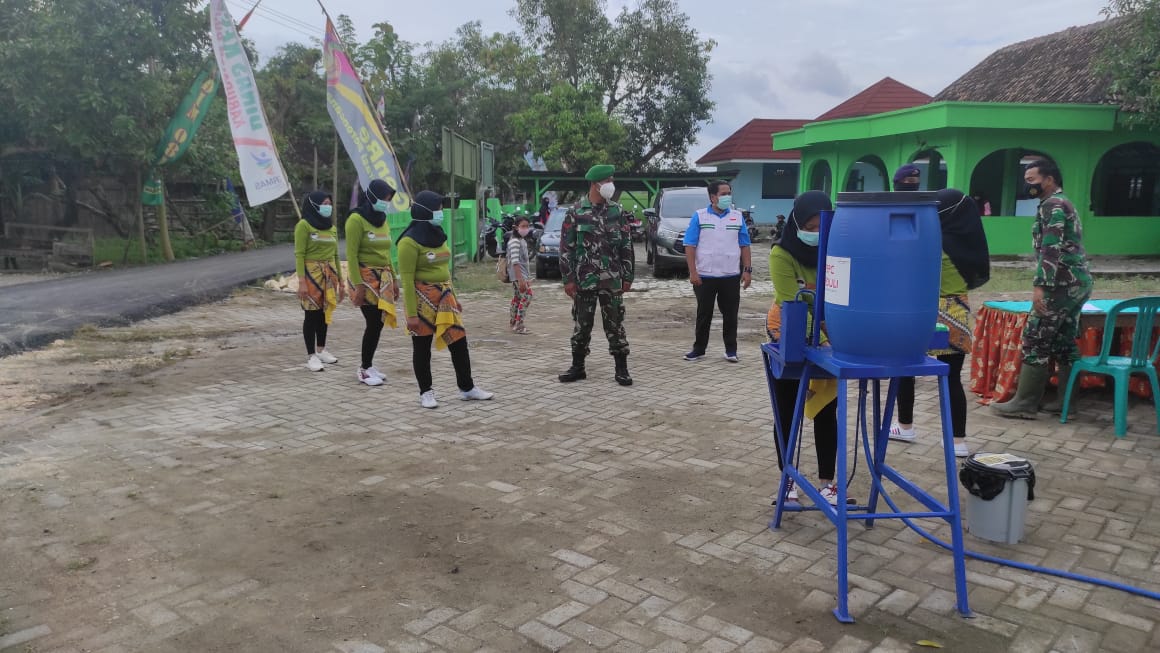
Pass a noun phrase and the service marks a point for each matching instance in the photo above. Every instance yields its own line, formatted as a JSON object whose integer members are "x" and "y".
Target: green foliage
{"x": 573, "y": 123}
{"x": 1131, "y": 60}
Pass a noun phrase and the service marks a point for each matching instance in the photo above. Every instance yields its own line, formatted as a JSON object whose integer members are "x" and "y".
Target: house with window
{"x": 769, "y": 180}
{"x": 979, "y": 133}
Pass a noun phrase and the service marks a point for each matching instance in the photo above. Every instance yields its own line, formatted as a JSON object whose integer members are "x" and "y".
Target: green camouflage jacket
{"x": 596, "y": 247}
{"x": 1057, "y": 237}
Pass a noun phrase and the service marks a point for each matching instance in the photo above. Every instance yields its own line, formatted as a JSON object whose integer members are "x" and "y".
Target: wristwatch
{"x": 749, "y": 270}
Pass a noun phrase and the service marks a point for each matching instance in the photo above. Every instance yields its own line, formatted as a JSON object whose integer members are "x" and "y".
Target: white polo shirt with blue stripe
{"x": 718, "y": 238}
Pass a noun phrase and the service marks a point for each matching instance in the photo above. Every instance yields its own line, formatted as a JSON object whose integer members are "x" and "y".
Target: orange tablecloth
{"x": 997, "y": 354}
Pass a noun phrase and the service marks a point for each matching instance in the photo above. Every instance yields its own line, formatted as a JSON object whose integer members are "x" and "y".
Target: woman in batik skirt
{"x": 373, "y": 287}
{"x": 320, "y": 286}
{"x": 433, "y": 312}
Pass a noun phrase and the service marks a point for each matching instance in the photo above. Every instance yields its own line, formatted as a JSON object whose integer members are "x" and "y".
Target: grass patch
{"x": 474, "y": 277}
{"x": 114, "y": 251}
{"x": 1004, "y": 279}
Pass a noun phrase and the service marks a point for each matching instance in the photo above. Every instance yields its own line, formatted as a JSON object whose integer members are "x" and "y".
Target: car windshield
{"x": 683, "y": 205}
{"x": 555, "y": 220}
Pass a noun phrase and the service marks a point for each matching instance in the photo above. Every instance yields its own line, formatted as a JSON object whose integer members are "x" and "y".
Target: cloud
{"x": 819, "y": 73}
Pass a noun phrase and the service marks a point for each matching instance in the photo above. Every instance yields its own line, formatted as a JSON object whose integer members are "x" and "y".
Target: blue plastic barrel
{"x": 883, "y": 262}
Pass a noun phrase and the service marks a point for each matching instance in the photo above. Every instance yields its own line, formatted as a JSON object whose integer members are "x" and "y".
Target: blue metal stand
{"x": 820, "y": 363}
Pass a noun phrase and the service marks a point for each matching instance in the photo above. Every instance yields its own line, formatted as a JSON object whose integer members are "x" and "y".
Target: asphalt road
{"x": 34, "y": 314}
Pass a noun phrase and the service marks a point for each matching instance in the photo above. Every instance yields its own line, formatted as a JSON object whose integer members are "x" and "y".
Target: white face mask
{"x": 607, "y": 190}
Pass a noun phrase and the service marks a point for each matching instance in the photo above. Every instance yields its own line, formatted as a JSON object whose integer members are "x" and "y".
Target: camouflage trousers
{"x": 1052, "y": 333}
{"x": 612, "y": 312}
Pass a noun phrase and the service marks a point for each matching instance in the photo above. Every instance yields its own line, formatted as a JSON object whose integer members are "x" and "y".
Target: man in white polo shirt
{"x": 717, "y": 249}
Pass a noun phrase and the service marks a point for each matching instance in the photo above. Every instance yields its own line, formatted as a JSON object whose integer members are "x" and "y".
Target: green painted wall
{"x": 1074, "y": 136}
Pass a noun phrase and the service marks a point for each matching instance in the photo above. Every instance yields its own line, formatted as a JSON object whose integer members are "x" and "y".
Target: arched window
{"x": 1127, "y": 181}
{"x": 868, "y": 174}
{"x": 997, "y": 182}
{"x": 820, "y": 177}
{"x": 933, "y": 167}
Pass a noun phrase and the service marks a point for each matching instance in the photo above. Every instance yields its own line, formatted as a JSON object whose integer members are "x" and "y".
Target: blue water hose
{"x": 1091, "y": 580}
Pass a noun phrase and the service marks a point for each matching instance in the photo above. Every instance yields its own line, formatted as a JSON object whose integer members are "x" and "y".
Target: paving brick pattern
{"x": 558, "y": 518}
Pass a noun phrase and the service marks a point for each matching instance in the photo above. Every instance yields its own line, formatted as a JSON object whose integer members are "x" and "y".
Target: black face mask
{"x": 1034, "y": 190}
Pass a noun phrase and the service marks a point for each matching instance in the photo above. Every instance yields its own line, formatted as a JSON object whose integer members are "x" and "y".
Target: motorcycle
{"x": 777, "y": 230}
{"x": 750, "y": 224}
{"x": 637, "y": 228}
{"x": 490, "y": 235}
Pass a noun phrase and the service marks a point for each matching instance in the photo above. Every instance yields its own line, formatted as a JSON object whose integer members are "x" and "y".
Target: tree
{"x": 572, "y": 126}
{"x": 650, "y": 65}
{"x": 1131, "y": 60}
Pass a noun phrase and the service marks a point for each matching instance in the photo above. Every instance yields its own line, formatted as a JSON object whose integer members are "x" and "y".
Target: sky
{"x": 774, "y": 58}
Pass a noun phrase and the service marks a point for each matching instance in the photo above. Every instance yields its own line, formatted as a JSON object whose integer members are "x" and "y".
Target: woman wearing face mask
{"x": 320, "y": 287}
{"x": 966, "y": 265}
{"x": 793, "y": 266}
{"x": 433, "y": 312}
{"x": 368, "y": 261}
{"x": 518, "y": 272}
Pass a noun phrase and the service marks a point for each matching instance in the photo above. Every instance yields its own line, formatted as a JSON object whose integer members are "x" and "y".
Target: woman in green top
{"x": 320, "y": 287}
{"x": 966, "y": 265}
{"x": 373, "y": 287}
{"x": 433, "y": 312}
{"x": 793, "y": 266}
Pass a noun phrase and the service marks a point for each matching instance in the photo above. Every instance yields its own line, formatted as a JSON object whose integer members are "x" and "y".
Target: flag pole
{"x": 367, "y": 99}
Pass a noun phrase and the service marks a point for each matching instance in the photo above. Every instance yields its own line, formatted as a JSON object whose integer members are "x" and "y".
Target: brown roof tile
{"x": 1007, "y": 75}
{"x": 753, "y": 141}
{"x": 887, "y": 94}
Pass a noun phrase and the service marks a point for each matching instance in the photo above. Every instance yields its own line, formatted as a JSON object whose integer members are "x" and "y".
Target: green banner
{"x": 189, "y": 116}
{"x": 181, "y": 129}
{"x": 153, "y": 191}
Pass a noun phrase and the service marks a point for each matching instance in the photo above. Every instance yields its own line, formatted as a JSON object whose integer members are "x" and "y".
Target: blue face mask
{"x": 325, "y": 210}
{"x": 382, "y": 206}
{"x": 437, "y": 218}
{"x": 809, "y": 237}
{"x": 725, "y": 202}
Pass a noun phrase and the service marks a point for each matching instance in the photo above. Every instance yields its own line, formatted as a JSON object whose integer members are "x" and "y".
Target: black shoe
{"x": 576, "y": 372}
{"x": 622, "y": 376}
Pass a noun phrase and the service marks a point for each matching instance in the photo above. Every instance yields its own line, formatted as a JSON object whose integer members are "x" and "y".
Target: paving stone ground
{"x": 186, "y": 485}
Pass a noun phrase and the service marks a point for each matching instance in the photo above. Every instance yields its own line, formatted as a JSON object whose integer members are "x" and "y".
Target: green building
{"x": 1035, "y": 99}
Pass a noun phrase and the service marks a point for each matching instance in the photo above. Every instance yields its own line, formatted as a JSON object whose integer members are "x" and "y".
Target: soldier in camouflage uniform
{"x": 597, "y": 264}
{"x": 1062, "y": 285}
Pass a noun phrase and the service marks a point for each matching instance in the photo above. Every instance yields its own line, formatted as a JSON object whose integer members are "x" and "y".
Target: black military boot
{"x": 576, "y": 372}
{"x": 622, "y": 376}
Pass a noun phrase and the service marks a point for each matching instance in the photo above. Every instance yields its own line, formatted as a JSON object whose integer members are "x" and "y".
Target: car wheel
{"x": 648, "y": 254}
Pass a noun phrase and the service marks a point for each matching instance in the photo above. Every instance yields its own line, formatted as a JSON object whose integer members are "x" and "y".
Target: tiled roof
{"x": 887, "y": 94}
{"x": 753, "y": 142}
{"x": 1056, "y": 68}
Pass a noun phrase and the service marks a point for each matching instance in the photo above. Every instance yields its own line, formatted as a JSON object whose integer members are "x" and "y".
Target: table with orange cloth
{"x": 997, "y": 354}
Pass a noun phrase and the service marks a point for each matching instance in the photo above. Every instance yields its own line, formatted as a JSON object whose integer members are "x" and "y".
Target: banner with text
{"x": 261, "y": 170}
{"x": 363, "y": 138}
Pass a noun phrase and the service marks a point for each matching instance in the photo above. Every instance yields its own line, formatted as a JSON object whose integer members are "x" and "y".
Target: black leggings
{"x": 314, "y": 330}
{"x": 421, "y": 361}
{"x": 958, "y": 397}
{"x": 370, "y": 341}
{"x": 825, "y": 427}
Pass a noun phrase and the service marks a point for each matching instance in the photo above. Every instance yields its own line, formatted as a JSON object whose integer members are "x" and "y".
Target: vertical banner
{"x": 262, "y": 173}
{"x": 239, "y": 214}
{"x": 363, "y": 138}
{"x": 181, "y": 130}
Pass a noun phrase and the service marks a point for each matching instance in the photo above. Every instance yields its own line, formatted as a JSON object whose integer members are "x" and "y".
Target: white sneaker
{"x": 427, "y": 400}
{"x": 374, "y": 371}
{"x": 476, "y": 394}
{"x": 830, "y": 493}
{"x": 365, "y": 376}
{"x": 326, "y": 357}
{"x": 901, "y": 434}
{"x": 313, "y": 364}
{"x": 961, "y": 449}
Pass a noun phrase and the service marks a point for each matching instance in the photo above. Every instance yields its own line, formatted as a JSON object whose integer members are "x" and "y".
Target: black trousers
{"x": 958, "y": 396}
{"x": 374, "y": 330}
{"x": 725, "y": 292}
{"x": 421, "y": 361}
{"x": 314, "y": 330}
{"x": 825, "y": 427}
